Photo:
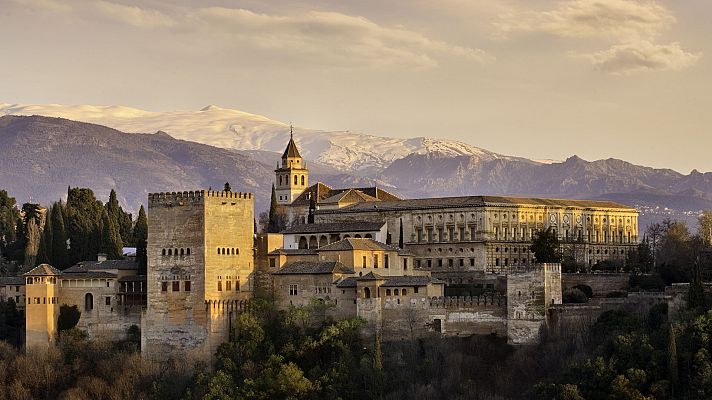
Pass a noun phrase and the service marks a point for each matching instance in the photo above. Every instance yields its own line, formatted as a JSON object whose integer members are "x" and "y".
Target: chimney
{"x": 101, "y": 257}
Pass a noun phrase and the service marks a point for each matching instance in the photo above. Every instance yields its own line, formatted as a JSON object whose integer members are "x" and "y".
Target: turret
{"x": 42, "y": 308}
{"x": 292, "y": 176}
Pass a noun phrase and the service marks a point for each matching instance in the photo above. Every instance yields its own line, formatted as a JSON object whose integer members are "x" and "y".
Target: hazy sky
{"x": 629, "y": 79}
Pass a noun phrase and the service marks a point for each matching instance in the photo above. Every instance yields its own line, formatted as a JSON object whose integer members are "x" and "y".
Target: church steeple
{"x": 292, "y": 177}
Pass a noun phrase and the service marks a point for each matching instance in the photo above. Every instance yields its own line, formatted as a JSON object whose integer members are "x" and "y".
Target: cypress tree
{"x": 84, "y": 215}
{"x": 140, "y": 234}
{"x": 400, "y": 234}
{"x": 273, "y": 225}
{"x": 696, "y": 295}
{"x": 60, "y": 255}
{"x": 44, "y": 255}
{"x": 110, "y": 238}
{"x": 672, "y": 359}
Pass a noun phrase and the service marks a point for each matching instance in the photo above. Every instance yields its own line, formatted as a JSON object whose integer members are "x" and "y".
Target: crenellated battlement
{"x": 194, "y": 197}
{"x": 228, "y": 195}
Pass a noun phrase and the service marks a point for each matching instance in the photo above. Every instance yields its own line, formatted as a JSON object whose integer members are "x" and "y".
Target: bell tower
{"x": 292, "y": 177}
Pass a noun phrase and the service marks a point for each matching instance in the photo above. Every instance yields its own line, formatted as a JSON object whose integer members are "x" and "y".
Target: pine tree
{"x": 140, "y": 233}
{"x": 545, "y": 246}
{"x": 227, "y": 187}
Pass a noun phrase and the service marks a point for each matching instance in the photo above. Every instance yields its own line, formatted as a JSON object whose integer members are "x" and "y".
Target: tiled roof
{"x": 358, "y": 244}
{"x": 349, "y": 282}
{"x": 304, "y": 252}
{"x": 371, "y": 276}
{"x": 314, "y": 267}
{"x": 408, "y": 281}
{"x": 323, "y": 193}
{"x": 472, "y": 201}
{"x": 88, "y": 275}
{"x": 43, "y": 270}
{"x": 84, "y": 266}
{"x": 291, "y": 150}
{"x": 11, "y": 280}
{"x": 334, "y": 227}
{"x": 133, "y": 278}
{"x": 349, "y": 196}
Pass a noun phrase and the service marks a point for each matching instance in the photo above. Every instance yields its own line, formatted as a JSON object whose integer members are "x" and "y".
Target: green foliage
{"x": 140, "y": 234}
{"x": 696, "y": 295}
{"x": 68, "y": 317}
{"x": 8, "y": 219}
{"x": 84, "y": 214}
{"x": 574, "y": 295}
{"x": 120, "y": 218}
{"x": 227, "y": 187}
{"x": 585, "y": 289}
{"x": 648, "y": 282}
{"x": 11, "y": 322}
{"x": 545, "y": 246}
{"x": 283, "y": 355}
{"x": 111, "y": 243}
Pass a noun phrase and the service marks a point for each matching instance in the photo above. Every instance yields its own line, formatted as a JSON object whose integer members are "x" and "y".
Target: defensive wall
{"x": 601, "y": 283}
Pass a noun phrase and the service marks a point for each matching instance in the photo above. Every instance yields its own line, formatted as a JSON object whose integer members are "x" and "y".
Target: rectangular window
{"x": 472, "y": 262}
{"x": 272, "y": 263}
{"x": 462, "y": 262}
{"x": 405, "y": 263}
{"x": 228, "y": 286}
{"x": 176, "y": 286}
{"x": 186, "y": 286}
{"x": 219, "y": 286}
{"x": 440, "y": 262}
{"x": 450, "y": 262}
{"x": 164, "y": 286}
{"x": 419, "y": 235}
{"x": 375, "y": 261}
{"x": 415, "y": 289}
{"x": 451, "y": 233}
{"x": 462, "y": 233}
{"x": 293, "y": 289}
{"x": 364, "y": 262}
{"x": 385, "y": 261}
{"x": 107, "y": 300}
{"x": 430, "y": 264}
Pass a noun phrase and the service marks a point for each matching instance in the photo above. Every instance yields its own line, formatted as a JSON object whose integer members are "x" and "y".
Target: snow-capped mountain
{"x": 233, "y": 129}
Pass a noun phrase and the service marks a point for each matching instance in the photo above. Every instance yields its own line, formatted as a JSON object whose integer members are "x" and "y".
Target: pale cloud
{"x": 132, "y": 15}
{"x": 320, "y": 37}
{"x": 626, "y": 59}
{"x": 616, "y": 19}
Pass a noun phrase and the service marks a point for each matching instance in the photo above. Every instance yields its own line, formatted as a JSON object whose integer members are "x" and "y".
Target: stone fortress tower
{"x": 200, "y": 269}
{"x": 292, "y": 177}
{"x": 42, "y": 308}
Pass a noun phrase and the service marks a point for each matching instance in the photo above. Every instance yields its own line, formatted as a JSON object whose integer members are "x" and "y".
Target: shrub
{"x": 574, "y": 295}
{"x": 585, "y": 289}
{"x": 68, "y": 317}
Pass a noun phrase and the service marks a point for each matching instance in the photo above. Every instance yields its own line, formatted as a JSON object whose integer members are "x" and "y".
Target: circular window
{"x": 472, "y": 250}
{"x": 450, "y": 250}
{"x": 430, "y": 250}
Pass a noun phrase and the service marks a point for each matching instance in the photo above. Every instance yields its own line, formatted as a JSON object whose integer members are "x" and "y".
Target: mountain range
{"x": 184, "y": 150}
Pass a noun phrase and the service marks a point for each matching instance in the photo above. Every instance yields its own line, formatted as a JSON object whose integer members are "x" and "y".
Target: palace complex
{"x": 353, "y": 252}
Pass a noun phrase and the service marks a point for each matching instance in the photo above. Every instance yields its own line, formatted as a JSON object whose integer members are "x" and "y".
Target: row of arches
{"x": 284, "y": 180}
{"x": 176, "y": 252}
{"x": 314, "y": 242}
{"x": 228, "y": 251}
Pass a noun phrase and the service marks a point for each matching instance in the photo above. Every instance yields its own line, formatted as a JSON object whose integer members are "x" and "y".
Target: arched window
{"x": 302, "y": 242}
{"x": 396, "y": 292}
{"x": 388, "y": 292}
{"x": 404, "y": 292}
{"x": 182, "y": 252}
{"x": 313, "y": 244}
{"x": 357, "y": 236}
{"x": 302, "y": 180}
{"x": 368, "y": 236}
{"x": 280, "y": 180}
{"x": 163, "y": 253}
{"x": 233, "y": 251}
{"x": 237, "y": 251}
{"x": 295, "y": 180}
{"x": 88, "y": 302}
{"x": 366, "y": 293}
{"x": 218, "y": 251}
{"x": 175, "y": 252}
{"x": 187, "y": 251}
{"x": 170, "y": 252}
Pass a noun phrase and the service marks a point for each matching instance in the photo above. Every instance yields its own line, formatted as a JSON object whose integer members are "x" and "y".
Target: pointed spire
{"x": 291, "y": 150}
{"x": 291, "y": 131}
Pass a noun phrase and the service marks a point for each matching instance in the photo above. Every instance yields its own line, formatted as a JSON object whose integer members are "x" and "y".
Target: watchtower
{"x": 42, "y": 308}
{"x": 292, "y": 177}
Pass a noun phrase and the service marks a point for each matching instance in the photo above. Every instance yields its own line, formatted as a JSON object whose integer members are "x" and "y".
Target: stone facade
{"x": 200, "y": 270}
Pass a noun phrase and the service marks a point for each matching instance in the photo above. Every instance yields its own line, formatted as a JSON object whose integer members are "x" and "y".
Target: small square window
{"x": 176, "y": 286}
{"x": 164, "y": 286}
